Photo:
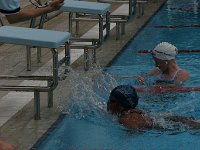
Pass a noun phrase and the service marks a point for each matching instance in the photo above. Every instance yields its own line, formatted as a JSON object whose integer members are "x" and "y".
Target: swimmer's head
{"x": 165, "y": 51}
{"x": 125, "y": 96}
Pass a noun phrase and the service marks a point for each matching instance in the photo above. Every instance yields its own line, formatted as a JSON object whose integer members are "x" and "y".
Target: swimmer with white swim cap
{"x": 166, "y": 68}
{"x": 165, "y": 51}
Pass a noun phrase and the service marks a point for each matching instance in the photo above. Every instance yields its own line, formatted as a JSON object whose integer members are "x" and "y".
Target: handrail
{"x": 24, "y": 88}
{"x": 12, "y": 77}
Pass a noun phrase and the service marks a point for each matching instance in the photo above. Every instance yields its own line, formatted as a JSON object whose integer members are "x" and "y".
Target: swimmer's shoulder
{"x": 182, "y": 75}
{"x": 136, "y": 119}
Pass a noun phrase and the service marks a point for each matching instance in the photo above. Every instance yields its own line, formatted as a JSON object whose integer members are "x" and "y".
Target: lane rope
{"x": 185, "y": 9}
{"x": 180, "y": 50}
{"x": 168, "y": 89}
{"x": 158, "y": 89}
{"x": 177, "y": 26}
{"x": 124, "y": 76}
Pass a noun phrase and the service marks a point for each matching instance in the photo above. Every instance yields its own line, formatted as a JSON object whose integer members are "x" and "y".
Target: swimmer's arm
{"x": 141, "y": 78}
{"x": 153, "y": 72}
{"x": 28, "y": 13}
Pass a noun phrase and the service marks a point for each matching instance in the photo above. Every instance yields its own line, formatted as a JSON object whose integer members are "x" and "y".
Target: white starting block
{"x": 38, "y": 38}
{"x": 100, "y": 11}
{"x": 91, "y": 8}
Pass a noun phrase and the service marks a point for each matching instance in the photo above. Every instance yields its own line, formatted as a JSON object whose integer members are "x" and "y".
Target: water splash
{"x": 89, "y": 94}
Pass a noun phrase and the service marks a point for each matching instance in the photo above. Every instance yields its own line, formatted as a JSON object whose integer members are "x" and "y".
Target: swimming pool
{"x": 87, "y": 125}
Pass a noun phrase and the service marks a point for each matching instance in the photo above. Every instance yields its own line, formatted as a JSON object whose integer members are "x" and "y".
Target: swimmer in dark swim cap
{"x": 123, "y": 101}
{"x": 125, "y": 95}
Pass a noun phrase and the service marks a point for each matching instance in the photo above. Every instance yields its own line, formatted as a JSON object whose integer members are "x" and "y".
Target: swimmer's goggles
{"x": 152, "y": 52}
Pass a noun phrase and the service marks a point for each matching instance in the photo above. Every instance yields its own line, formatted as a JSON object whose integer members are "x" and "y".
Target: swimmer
{"x": 122, "y": 103}
{"x": 166, "y": 68}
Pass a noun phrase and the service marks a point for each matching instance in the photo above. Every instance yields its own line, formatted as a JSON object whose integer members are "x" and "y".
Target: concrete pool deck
{"x": 16, "y": 118}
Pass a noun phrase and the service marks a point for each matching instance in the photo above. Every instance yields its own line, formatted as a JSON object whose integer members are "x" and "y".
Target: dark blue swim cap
{"x": 125, "y": 95}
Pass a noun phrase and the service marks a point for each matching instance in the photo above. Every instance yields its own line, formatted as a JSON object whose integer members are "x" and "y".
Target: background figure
{"x": 166, "y": 69}
{"x": 11, "y": 9}
{"x": 6, "y": 146}
{"x": 122, "y": 102}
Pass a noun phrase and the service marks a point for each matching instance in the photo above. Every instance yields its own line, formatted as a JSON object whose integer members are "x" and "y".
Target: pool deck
{"x": 16, "y": 108}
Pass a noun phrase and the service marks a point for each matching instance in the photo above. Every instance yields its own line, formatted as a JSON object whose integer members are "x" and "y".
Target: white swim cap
{"x": 165, "y": 51}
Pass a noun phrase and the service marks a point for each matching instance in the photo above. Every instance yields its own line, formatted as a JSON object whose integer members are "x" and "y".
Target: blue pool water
{"x": 87, "y": 125}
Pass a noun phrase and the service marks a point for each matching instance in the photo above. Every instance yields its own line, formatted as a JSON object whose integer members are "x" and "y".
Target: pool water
{"x": 85, "y": 123}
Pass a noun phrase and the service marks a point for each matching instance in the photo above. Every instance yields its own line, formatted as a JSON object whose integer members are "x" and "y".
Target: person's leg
{"x": 6, "y": 146}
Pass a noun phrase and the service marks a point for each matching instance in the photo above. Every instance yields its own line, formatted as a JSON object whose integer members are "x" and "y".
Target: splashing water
{"x": 89, "y": 94}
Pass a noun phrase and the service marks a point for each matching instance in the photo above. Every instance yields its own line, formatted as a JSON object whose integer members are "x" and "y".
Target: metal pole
{"x": 67, "y": 53}
{"x": 107, "y": 23}
{"x": 37, "y": 105}
{"x": 100, "y": 29}
{"x": 77, "y": 26}
{"x": 55, "y": 67}
{"x": 94, "y": 59}
{"x": 67, "y": 56}
{"x": 70, "y": 22}
{"x": 130, "y": 12}
{"x": 1, "y": 22}
{"x": 50, "y": 96}
{"x": 86, "y": 59}
{"x": 28, "y": 57}
{"x": 32, "y": 24}
{"x": 122, "y": 28}
{"x": 42, "y": 20}
{"x": 118, "y": 34}
{"x": 41, "y": 24}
